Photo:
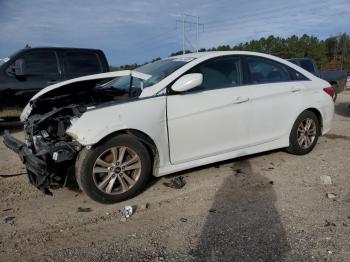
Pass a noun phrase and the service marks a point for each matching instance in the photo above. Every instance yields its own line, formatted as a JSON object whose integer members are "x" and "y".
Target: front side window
{"x": 219, "y": 73}
{"x": 81, "y": 63}
{"x": 263, "y": 70}
{"x": 40, "y": 63}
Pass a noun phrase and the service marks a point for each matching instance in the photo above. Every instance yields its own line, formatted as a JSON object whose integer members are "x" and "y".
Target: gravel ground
{"x": 274, "y": 209}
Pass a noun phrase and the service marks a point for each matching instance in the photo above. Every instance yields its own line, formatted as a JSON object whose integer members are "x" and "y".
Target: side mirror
{"x": 19, "y": 68}
{"x": 187, "y": 82}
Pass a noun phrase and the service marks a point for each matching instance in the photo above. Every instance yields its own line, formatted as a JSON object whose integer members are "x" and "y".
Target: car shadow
{"x": 243, "y": 223}
{"x": 342, "y": 109}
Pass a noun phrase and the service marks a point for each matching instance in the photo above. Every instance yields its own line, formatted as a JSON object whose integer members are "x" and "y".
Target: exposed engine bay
{"x": 50, "y": 117}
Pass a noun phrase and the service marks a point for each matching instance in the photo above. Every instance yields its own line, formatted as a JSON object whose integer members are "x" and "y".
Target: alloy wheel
{"x": 306, "y": 133}
{"x": 116, "y": 170}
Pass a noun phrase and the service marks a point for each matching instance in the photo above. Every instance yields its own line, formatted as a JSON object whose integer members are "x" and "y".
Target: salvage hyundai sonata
{"x": 112, "y": 131}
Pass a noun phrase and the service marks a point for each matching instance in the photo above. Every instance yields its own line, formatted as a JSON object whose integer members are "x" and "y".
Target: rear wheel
{"x": 304, "y": 134}
{"x": 115, "y": 170}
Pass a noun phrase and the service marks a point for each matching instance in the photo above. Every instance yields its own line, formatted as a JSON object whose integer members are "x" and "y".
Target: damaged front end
{"x": 49, "y": 153}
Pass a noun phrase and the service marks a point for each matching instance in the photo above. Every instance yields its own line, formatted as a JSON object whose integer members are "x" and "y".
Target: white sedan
{"x": 174, "y": 114}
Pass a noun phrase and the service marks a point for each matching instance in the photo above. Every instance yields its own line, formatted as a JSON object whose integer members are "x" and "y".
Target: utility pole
{"x": 183, "y": 33}
{"x": 189, "y": 20}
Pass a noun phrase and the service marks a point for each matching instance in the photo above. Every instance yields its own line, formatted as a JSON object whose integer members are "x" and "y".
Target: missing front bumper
{"x": 37, "y": 168}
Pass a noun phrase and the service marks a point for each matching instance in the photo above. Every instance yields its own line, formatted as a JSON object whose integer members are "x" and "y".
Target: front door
{"x": 213, "y": 118}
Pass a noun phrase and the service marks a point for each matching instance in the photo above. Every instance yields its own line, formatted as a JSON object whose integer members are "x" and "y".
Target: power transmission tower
{"x": 188, "y": 20}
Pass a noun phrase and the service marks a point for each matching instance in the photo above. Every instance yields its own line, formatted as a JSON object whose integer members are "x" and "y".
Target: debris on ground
{"x": 127, "y": 212}
{"x": 9, "y": 220}
{"x": 212, "y": 210}
{"x": 238, "y": 172}
{"x": 331, "y": 195}
{"x": 217, "y": 166}
{"x": 7, "y": 209}
{"x": 270, "y": 167}
{"x": 176, "y": 182}
{"x": 326, "y": 180}
{"x": 347, "y": 198}
{"x": 84, "y": 209}
{"x": 271, "y": 182}
{"x": 328, "y": 223}
{"x": 144, "y": 206}
{"x": 183, "y": 219}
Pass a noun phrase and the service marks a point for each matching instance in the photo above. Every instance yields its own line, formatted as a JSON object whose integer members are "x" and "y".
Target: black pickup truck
{"x": 30, "y": 69}
{"x": 337, "y": 78}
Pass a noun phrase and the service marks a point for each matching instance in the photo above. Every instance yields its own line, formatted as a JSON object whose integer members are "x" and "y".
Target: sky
{"x": 136, "y": 31}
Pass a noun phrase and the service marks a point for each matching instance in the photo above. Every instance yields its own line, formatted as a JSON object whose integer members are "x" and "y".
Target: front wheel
{"x": 115, "y": 170}
{"x": 304, "y": 134}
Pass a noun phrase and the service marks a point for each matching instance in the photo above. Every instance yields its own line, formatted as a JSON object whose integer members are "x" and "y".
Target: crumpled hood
{"x": 28, "y": 108}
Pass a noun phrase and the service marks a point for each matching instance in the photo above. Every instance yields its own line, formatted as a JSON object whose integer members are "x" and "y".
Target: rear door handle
{"x": 294, "y": 90}
{"x": 240, "y": 100}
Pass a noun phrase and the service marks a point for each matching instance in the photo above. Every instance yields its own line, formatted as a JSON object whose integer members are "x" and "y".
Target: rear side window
{"x": 40, "y": 63}
{"x": 263, "y": 70}
{"x": 220, "y": 73}
{"x": 81, "y": 63}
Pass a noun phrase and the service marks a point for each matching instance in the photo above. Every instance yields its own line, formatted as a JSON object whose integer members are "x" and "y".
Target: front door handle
{"x": 240, "y": 100}
{"x": 294, "y": 90}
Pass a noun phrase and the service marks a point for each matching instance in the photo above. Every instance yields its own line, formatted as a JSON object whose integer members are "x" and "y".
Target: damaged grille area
{"x": 47, "y": 140}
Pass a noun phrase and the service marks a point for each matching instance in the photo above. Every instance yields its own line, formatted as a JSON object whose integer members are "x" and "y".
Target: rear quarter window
{"x": 81, "y": 63}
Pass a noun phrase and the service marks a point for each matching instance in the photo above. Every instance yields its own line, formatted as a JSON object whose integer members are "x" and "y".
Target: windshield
{"x": 4, "y": 60}
{"x": 161, "y": 69}
{"x": 132, "y": 87}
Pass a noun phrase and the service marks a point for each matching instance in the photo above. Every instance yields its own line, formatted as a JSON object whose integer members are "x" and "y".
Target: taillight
{"x": 329, "y": 91}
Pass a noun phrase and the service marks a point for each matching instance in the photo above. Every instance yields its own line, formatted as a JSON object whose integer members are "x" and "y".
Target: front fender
{"x": 147, "y": 115}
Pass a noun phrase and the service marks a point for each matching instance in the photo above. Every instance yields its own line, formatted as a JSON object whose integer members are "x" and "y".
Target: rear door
{"x": 80, "y": 63}
{"x": 213, "y": 118}
{"x": 277, "y": 91}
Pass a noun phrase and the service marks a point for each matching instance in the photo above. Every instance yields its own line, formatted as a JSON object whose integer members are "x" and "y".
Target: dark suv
{"x": 27, "y": 71}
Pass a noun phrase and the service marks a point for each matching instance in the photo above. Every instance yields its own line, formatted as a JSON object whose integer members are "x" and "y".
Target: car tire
{"x": 102, "y": 163}
{"x": 304, "y": 134}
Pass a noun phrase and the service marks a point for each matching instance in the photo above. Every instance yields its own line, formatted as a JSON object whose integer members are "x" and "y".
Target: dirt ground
{"x": 274, "y": 209}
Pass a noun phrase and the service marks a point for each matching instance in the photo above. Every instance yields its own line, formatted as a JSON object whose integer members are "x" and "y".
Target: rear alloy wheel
{"x": 115, "y": 170}
{"x": 304, "y": 134}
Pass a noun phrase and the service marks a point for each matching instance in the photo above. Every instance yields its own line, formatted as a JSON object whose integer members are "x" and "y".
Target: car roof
{"x": 210, "y": 54}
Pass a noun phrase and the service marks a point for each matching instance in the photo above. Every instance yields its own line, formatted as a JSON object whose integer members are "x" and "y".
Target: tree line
{"x": 331, "y": 53}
